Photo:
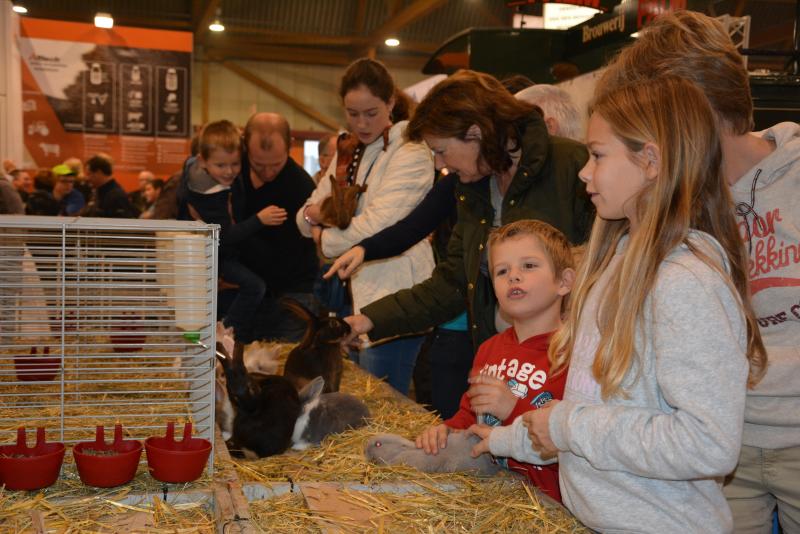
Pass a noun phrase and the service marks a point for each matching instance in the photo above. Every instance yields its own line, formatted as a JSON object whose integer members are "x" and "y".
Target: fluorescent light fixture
{"x": 216, "y": 26}
{"x": 103, "y": 20}
{"x": 392, "y": 41}
{"x": 19, "y": 9}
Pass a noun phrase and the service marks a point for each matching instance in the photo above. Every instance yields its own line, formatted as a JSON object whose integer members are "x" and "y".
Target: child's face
{"x": 223, "y": 166}
{"x": 612, "y": 178}
{"x": 524, "y": 281}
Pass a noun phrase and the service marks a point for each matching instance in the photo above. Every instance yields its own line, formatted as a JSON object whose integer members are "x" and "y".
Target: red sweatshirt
{"x": 525, "y": 367}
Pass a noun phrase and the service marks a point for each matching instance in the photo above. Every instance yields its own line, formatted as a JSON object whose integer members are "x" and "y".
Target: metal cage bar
{"x": 106, "y": 321}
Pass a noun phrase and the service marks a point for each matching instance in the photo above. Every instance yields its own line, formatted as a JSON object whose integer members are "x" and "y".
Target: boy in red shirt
{"x": 531, "y": 267}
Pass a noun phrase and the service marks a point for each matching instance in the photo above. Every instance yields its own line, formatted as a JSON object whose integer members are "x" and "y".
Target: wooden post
{"x": 205, "y": 93}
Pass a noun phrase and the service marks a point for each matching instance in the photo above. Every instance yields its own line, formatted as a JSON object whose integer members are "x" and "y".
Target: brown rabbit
{"x": 338, "y": 209}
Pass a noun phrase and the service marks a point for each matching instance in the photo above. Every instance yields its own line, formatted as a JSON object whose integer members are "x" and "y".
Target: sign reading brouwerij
{"x": 123, "y": 91}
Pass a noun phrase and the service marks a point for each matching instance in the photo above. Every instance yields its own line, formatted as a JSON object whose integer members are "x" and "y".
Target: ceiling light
{"x": 19, "y": 9}
{"x": 216, "y": 26}
{"x": 392, "y": 41}
{"x": 103, "y": 20}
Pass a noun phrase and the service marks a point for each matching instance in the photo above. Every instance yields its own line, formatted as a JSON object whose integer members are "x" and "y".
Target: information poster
{"x": 124, "y": 92}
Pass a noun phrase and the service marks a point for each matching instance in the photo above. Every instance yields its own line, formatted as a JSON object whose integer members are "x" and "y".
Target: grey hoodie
{"x": 768, "y": 205}
{"x": 653, "y": 462}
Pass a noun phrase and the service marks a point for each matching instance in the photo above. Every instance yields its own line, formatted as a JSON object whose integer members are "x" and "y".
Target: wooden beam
{"x": 361, "y": 17}
{"x": 285, "y": 97}
{"x": 249, "y": 38}
{"x": 737, "y": 12}
{"x": 280, "y": 54}
{"x": 207, "y": 13}
{"x": 415, "y": 11}
{"x": 205, "y": 94}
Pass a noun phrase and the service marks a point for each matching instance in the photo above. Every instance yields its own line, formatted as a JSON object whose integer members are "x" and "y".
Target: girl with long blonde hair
{"x": 661, "y": 340}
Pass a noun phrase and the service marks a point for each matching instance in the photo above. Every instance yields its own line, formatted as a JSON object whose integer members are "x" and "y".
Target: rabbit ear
{"x": 312, "y": 390}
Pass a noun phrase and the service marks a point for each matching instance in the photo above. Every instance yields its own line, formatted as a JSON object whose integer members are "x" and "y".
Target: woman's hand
{"x": 316, "y": 235}
{"x": 313, "y": 212}
{"x": 272, "y": 216}
{"x": 488, "y": 394}
{"x": 433, "y": 438}
{"x": 538, "y": 424}
{"x": 483, "y": 432}
{"x": 346, "y": 263}
{"x": 359, "y": 324}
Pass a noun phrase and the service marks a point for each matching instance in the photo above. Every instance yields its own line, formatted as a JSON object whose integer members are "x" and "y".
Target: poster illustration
{"x": 123, "y": 91}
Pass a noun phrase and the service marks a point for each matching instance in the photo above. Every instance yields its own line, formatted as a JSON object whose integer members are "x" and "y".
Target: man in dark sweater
{"x": 285, "y": 260}
{"x": 109, "y": 199}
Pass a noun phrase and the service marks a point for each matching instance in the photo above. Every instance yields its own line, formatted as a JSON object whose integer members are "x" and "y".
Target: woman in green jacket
{"x": 509, "y": 169}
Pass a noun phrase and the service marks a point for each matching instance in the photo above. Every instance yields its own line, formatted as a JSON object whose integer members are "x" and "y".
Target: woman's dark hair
{"x": 466, "y": 98}
{"x": 374, "y": 76}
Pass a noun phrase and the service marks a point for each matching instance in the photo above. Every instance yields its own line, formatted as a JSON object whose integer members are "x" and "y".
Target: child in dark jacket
{"x": 205, "y": 195}
{"x": 531, "y": 267}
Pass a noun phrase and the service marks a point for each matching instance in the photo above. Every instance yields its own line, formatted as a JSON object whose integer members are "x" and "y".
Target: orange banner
{"x": 124, "y": 92}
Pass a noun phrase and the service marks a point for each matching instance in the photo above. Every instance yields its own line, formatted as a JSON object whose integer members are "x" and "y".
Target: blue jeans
{"x": 393, "y": 361}
{"x": 451, "y": 357}
{"x": 241, "y": 313}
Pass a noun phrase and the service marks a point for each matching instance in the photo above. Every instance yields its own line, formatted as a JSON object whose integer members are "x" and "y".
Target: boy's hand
{"x": 488, "y": 394}
{"x": 272, "y": 216}
{"x": 538, "y": 424}
{"x": 483, "y": 432}
{"x": 433, "y": 438}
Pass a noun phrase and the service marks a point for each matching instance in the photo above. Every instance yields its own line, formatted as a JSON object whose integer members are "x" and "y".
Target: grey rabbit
{"x": 320, "y": 352}
{"x": 391, "y": 449}
{"x": 326, "y": 413}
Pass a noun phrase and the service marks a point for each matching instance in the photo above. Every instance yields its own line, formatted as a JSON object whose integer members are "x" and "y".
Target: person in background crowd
{"x": 285, "y": 260}
{"x": 152, "y": 189}
{"x": 43, "y": 180}
{"x": 8, "y": 166}
{"x": 397, "y": 174}
{"x": 560, "y": 113}
{"x": 80, "y": 177}
{"x": 69, "y": 199}
{"x": 10, "y": 201}
{"x": 166, "y": 205}
{"x": 22, "y": 182}
{"x": 516, "y": 83}
{"x": 109, "y": 198}
{"x": 326, "y": 150}
{"x": 137, "y": 198}
{"x": 763, "y": 172}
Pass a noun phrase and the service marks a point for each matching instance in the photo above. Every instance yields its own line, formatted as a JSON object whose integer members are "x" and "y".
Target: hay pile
{"x": 470, "y": 504}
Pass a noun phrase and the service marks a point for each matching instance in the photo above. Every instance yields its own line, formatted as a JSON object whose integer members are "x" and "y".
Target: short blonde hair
{"x": 219, "y": 135}
{"x": 553, "y": 241}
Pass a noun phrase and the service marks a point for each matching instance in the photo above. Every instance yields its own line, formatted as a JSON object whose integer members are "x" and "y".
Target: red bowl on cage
{"x": 177, "y": 461}
{"x": 126, "y": 336}
{"x": 36, "y": 368}
{"x": 30, "y": 468}
{"x": 105, "y": 465}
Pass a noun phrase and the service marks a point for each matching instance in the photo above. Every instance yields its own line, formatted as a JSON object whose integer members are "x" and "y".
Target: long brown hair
{"x": 472, "y": 98}
{"x": 696, "y": 47}
{"x": 688, "y": 193}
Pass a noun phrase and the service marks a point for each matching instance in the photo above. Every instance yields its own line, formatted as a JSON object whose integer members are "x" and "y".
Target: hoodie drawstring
{"x": 743, "y": 209}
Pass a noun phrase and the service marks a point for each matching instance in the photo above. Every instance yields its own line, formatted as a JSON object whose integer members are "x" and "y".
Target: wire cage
{"x": 106, "y": 321}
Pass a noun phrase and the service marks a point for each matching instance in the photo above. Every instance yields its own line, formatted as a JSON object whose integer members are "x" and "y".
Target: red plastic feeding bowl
{"x": 107, "y": 465}
{"x": 177, "y": 461}
{"x": 127, "y": 339}
{"x": 30, "y": 468}
{"x": 37, "y": 368}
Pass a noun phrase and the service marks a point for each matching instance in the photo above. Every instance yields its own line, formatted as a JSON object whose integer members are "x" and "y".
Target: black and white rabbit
{"x": 266, "y": 406}
{"x": 320, "y": 352}
{"x": 325, "y": 413}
